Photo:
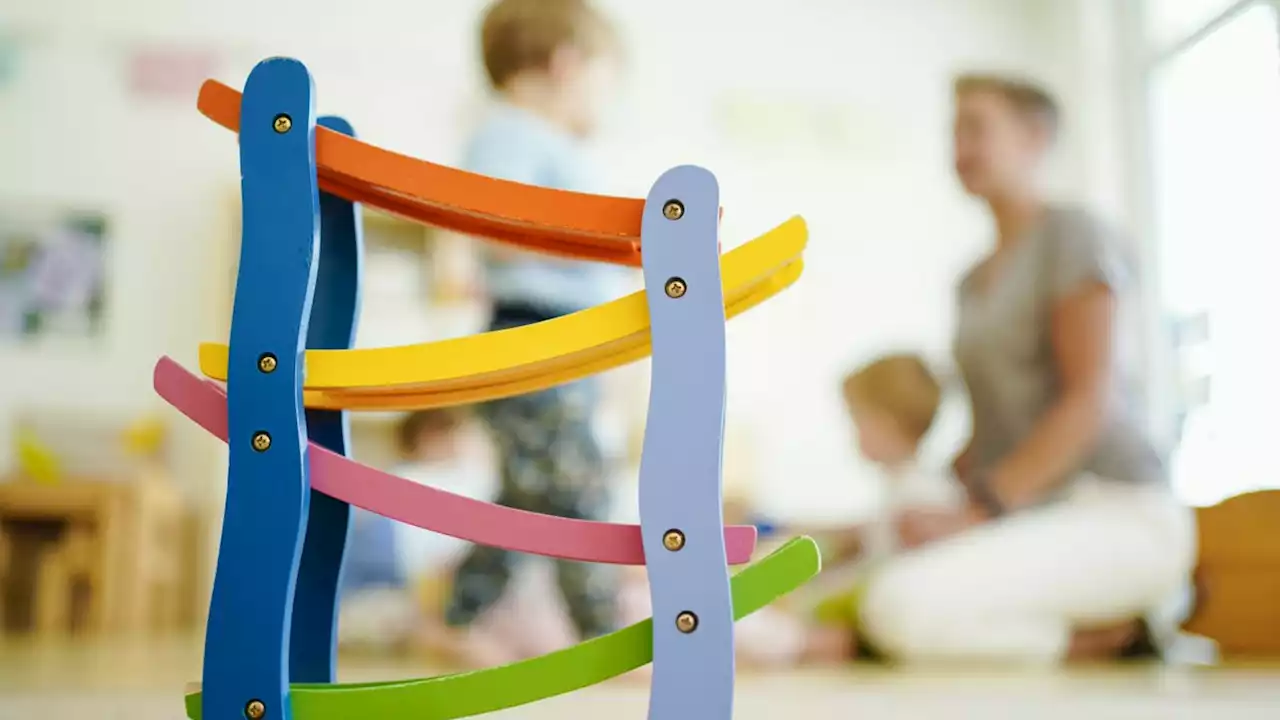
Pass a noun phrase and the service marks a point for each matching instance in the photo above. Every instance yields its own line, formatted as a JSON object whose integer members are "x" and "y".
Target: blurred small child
{"x": 437, "y": 448}
{"x": 379, "y": 609}
{"x": 892, "y": 402}
{"x": 551, "y": 65}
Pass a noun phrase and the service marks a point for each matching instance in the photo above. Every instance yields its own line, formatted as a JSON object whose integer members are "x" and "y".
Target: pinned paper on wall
{"x": 10, "y": 57}
{"x": 164, "y": 73}
{"x": 814, "y": 126}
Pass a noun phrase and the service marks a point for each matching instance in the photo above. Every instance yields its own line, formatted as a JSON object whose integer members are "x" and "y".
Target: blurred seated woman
{"x": 1071, "y": 539}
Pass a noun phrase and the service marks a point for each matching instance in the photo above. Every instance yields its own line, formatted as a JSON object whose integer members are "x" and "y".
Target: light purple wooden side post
{"x": 681, "y": 513}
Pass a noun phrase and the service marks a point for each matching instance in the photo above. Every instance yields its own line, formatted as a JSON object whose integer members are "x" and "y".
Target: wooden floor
{"x": 144, "y": 682}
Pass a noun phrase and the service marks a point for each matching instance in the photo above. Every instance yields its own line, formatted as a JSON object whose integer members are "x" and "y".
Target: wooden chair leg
{"x": 79, "y": 556}
{"x": 5, "y": 550}
{"x": 53, "y": 595}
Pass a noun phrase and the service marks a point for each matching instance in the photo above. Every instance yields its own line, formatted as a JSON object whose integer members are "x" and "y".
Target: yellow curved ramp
{"x": 422, "y": 399}
{"x": 534, "y": 356}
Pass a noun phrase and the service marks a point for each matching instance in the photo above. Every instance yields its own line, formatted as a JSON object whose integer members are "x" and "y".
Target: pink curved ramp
{"x": 431, "y": 508}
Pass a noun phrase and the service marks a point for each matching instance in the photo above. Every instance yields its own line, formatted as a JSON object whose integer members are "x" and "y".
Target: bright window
{"x": 1216, "y": 149}
{"x": 1169, "y": 21}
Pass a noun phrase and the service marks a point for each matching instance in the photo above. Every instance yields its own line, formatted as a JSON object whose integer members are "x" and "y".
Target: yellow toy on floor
{"x": 841, "y": 608}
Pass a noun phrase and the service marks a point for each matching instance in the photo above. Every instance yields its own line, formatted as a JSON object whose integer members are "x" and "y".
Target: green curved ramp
{"x": 467, "y": 694}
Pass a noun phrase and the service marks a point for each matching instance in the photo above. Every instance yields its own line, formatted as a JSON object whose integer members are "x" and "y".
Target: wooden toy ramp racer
{"x": 281, "y": 387}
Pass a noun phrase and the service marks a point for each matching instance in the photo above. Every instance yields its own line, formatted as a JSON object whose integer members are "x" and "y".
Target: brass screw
{"x": 261, "y": 441}
{"x": 255, "y": 710}
{"x": 267, "y": 363}
{"x": 676, "y": 288}
{"x": 686, "y": 622}
{"x": 282, "y": 123}
{"x": 673, "y": 210}
{"x": 673, "y": 540}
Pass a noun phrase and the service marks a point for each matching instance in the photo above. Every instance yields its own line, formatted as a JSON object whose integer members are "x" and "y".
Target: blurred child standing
{"x": 550, "y": 64}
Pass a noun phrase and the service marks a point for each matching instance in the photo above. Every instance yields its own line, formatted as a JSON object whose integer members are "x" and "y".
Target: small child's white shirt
{"x": 423, "y": 553}
{"x": 906, "y": 488}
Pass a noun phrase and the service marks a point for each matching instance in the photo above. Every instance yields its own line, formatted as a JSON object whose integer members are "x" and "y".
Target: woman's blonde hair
{"x": 1027, "y": 97}
{"x": 437, "y": 421}
{"x": 900, "y": 385}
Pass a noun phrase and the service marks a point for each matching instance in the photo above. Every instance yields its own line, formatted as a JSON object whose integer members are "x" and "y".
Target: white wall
{"x": 857, "y": 93}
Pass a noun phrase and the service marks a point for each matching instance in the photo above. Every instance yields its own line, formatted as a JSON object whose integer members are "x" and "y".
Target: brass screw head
{"x": 676, "y": 288}
{"x": 261, "y": 441}
{"x": 282, "y": 123}
{"x": 255, "y": 710}
{"x": 673, "y": 540}
{"x": 673, "y": 210}
{"x": 686, "y": 622}
{"x": 267, "y": 363}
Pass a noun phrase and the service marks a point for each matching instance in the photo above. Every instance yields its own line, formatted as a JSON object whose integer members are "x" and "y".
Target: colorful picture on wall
{"x": 10, "y": 56}
{"x": 52, "y": 274}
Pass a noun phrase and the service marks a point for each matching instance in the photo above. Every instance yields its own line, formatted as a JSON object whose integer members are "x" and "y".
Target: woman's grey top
{"x": 1004, "y": 348}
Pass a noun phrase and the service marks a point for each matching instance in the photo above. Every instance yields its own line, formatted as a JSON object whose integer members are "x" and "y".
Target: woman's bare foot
{"x": 1101, "y": 643}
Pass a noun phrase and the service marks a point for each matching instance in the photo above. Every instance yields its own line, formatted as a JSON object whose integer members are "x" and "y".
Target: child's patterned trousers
{"x": 552, "y": 464}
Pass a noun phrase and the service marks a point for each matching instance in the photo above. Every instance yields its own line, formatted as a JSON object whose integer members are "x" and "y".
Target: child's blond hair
{"x": 901, "y": 386}
{"x": 437, "y": 422}
{"x": 520, "y": 35}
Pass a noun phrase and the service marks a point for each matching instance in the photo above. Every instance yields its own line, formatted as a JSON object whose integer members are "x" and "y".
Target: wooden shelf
{"x": 376, "y": 419}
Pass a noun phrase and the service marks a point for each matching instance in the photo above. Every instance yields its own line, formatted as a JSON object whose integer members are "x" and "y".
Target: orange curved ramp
{"x": 578, "y": 225}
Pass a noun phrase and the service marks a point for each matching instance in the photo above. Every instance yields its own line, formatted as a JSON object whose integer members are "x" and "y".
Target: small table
{"x": 122, "y": 538}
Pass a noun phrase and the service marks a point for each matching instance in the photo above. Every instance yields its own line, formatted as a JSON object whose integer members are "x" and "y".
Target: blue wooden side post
{"x": 681, "y": 513}
{"x": 334, "y": 313}
{"x": 246, "y": 657}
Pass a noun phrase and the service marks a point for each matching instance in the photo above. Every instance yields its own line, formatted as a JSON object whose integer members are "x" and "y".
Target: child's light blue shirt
{"x": 514, "y": 144}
